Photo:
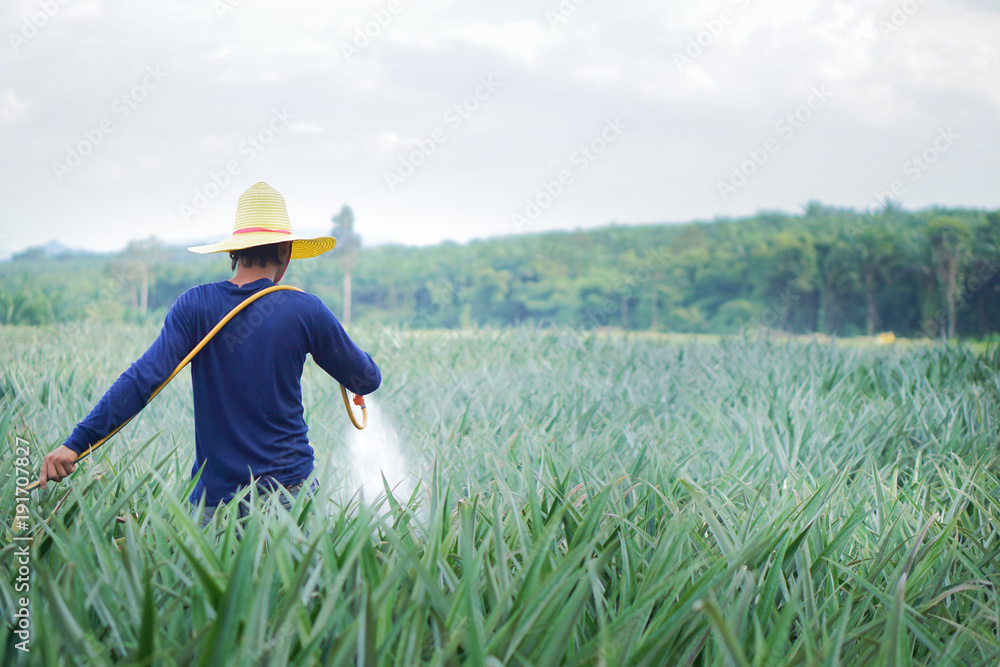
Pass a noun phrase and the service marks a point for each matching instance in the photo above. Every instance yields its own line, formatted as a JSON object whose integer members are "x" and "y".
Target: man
{"x": 248, "y": 412}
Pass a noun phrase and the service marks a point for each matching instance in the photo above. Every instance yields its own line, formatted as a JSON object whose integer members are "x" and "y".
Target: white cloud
{"x": 218, "y": 54}
{"x": 306, "y": 128}
{"x": 211, "y": 145}
{"x": 520, "y": 40}
{"x": 352, "y": 119}
{"x": 12, "y": 107}
{"x": 387, "y": 140}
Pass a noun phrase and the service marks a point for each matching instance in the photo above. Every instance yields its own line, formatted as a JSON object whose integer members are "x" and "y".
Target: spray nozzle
{"x": 359, "y": 400}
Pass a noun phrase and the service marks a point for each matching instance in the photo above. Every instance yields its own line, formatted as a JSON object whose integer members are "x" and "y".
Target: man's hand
{"x": 58, "y": 463}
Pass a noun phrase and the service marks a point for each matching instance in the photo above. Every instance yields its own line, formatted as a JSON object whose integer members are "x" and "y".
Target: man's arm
{"x": 336, "y": 353}
{"x": 126, "y": 397}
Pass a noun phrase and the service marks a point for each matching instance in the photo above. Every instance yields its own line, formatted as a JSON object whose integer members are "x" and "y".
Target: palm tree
{"x": 348, "y": 244}
{"x": 875, "y": 254}
{"x": 950, "y": 240}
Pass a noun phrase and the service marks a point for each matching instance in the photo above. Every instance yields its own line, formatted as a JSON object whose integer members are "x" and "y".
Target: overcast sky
{"x": 443, "y": 120}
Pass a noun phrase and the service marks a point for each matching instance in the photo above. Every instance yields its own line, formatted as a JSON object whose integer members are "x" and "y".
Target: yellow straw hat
{"x": 261, "y": 218}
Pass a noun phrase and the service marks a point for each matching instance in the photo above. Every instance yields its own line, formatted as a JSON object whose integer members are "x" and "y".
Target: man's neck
{"x": 249, "y": 274}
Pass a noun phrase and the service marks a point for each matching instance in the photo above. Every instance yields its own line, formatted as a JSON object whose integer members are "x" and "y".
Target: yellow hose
{"x": 184, "y": 362}
{"x": 350, "y": 412}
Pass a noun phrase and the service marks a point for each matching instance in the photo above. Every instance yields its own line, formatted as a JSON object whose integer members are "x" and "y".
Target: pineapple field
{"x": 525, "y": 496}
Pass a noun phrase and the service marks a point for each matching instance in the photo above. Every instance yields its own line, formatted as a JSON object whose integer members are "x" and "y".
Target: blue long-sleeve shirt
{"x": 246, "y": 381}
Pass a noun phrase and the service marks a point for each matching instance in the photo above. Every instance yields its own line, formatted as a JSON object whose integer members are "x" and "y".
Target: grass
{"x": 582, "y": 500}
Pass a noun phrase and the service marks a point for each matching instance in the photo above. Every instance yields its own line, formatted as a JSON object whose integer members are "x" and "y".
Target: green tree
{"x": 950, "y": 240}
{"x": 874, "y": 253}
{"x": 787, "y": 269}
{"x": 137, "y": 260}
{"x": 983, "y": 270}
{"x": 348, "y": 245}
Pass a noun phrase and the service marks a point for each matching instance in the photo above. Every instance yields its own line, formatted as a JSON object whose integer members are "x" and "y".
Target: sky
{"x": 441, "y": 120}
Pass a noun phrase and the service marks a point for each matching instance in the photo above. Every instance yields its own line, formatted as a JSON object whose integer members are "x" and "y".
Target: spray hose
{"x": 358, "y": 399}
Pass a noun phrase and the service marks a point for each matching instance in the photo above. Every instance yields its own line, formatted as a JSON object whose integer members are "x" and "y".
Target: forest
{"x": 835, "y": 271}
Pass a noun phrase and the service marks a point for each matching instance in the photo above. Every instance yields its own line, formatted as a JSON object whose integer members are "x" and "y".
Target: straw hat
{"x": 261, "y": 218}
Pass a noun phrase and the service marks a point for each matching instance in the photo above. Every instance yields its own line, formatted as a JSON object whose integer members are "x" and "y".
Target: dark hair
{"x": 261, "y": 254}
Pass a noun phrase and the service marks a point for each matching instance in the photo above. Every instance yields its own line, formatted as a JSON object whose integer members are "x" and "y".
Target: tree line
{"x": 929, "y": 273}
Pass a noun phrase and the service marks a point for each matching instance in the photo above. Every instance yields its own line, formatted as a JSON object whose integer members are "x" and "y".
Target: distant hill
{"x": 51, "y": 249}
{"x": 830, "y": 270}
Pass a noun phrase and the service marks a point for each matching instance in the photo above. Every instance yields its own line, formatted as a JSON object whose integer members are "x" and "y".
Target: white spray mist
{"x": 374, "y": 452}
